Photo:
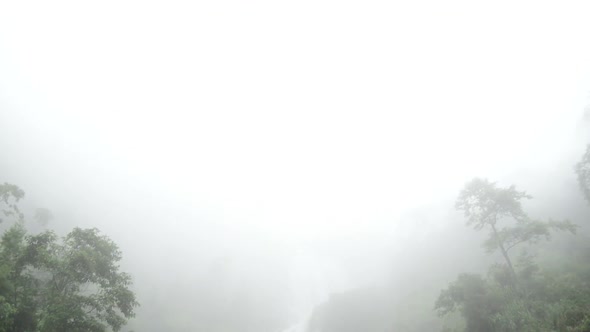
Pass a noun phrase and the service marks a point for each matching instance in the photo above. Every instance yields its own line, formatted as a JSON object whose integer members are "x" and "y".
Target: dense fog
{"x": 291, "y": 166}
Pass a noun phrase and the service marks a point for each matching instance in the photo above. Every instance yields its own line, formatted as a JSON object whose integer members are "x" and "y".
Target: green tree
{"x": 10, "y": 195}
{"x": 18, "y": 288}
{"x": 500, "y": 210}
{"x": 52, "y": 284}
{"x": 517, "y": 295}
{"x": 471, "y": 295}
{"x": 81, "y": 287}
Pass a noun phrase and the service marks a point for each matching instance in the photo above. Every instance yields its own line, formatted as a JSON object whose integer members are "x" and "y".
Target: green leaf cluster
{"x": 53, "y": 284}
{"x": 518, "y": 293}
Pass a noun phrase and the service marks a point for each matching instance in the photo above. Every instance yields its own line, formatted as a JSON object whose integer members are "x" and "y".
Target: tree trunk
{"x": 505, "y": 254}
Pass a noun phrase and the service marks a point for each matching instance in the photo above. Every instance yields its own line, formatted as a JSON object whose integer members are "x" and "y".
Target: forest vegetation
{"x": 73, "y": 283}
{"x": 50, "y": 283}
{"x": 537, "y": 278}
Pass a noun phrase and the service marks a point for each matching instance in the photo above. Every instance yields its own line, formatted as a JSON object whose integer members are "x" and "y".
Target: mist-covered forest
{"x": 530, "y": 274}
{"x": 315, "y": 166}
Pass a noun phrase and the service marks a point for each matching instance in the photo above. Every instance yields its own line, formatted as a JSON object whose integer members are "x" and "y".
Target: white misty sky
{"x": 300, "y": 117}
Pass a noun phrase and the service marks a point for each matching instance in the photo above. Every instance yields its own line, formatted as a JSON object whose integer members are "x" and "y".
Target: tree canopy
{"x": 518, "y": 294}
{"x": 60, "y": 284}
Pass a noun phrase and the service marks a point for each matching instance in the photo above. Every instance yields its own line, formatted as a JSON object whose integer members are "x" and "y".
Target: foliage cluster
{"x": 52, "y": 284}
{"x": 519, "y": 293}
